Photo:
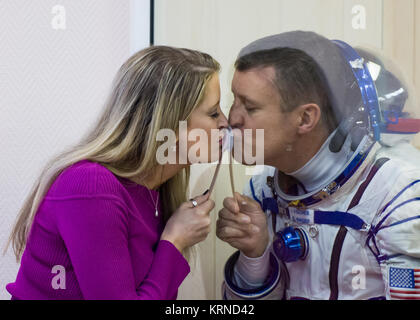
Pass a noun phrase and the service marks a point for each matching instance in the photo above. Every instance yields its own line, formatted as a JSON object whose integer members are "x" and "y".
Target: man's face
{"x": 257, "y": 105}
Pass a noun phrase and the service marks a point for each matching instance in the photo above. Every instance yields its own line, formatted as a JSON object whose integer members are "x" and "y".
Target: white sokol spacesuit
{"x": 351, "y": 230}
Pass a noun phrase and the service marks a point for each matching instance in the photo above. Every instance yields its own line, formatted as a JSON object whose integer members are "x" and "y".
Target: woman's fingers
{"x": 201, "y": 199}
{"x": 202, "y": 204}
{"x": 204, "y": 208}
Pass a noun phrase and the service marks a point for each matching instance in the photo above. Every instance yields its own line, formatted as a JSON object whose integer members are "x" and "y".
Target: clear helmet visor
{"x": 388, "y": 110}
{"x": 399, "y": 111}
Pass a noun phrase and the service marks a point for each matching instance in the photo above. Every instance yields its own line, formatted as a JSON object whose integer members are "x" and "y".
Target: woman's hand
{"x": 189, "y": 225}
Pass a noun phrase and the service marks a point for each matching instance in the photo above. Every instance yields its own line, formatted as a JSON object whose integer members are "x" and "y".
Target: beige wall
{"x": 402, "y": 41}
{"x": 222, "y": 28}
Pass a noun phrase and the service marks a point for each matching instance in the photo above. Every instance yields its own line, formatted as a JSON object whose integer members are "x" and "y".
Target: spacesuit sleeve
{"x": 396, "y": 241}
{"x": 238, "y": 285}
{"x": 273, "y": 287}
{"x": 250, "y": 273}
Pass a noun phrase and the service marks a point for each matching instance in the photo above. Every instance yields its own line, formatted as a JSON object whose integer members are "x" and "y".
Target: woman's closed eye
{"x": 215, "y": 115}
{"x": 214, "y": 112}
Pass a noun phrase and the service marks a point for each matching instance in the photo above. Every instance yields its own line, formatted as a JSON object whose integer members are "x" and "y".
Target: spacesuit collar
{"x": 323, "y": 167}
{"x": 304, "y": 199}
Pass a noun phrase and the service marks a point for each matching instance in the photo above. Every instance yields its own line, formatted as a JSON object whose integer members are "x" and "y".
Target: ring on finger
{"x": 194, "y": 203}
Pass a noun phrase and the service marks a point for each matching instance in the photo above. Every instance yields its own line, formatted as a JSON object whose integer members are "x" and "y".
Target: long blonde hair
{"x": 154, "y": 89}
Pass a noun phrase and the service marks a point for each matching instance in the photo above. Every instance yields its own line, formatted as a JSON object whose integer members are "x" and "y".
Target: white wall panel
{"x": 139, "y": 25}
{"x": 54, "y": 78}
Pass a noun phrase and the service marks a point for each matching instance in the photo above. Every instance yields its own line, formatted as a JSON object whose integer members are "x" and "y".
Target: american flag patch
{"x": 404, "y": 283}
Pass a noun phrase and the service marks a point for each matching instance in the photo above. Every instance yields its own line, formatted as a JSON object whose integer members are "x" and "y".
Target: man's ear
{"x": 309, "y": 117}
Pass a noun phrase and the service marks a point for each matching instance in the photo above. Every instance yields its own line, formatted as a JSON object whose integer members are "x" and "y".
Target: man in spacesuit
{"x": 335, "y": 214}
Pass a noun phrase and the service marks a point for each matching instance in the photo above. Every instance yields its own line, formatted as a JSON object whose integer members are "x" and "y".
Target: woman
{"x": 107, "y": 220}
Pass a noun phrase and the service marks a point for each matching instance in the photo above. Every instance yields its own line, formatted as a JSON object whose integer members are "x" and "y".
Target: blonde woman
{"x": 106, "y": 220}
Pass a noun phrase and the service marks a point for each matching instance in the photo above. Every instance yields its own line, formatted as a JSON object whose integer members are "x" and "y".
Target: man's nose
{"x": 235, "y": 118}
{"x": 223, "y": 122}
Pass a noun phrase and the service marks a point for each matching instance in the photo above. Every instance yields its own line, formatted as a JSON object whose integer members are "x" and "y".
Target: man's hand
{"x": 243, "y": 225}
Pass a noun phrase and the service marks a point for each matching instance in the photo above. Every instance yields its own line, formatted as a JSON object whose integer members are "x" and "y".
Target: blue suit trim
{"x": 253, "y": 193}
{"x": 402, "y": 221}
{"x": 378, "y": 226}
{"x": 375, "y": 229}
{"x": 395, "y": 198}
{"x": 386, "y": 257}
{"x": 339, "y": 218}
